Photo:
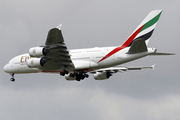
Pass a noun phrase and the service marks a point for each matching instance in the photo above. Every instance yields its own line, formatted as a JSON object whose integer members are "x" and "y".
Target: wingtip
{"x": 153, "y": 66}
{"x": 59, "y": 26}
{"x": 158, "y": 10}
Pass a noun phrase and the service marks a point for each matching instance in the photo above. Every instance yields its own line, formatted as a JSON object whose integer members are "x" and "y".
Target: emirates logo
{"x": 32, "y": 62}
{"x": 34, "y": 51}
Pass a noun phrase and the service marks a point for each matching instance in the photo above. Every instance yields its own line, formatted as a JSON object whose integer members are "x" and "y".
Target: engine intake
{"x": 35, "y": 62}
{"x": 38, "y": 51}
{"x": 102, "y": 75}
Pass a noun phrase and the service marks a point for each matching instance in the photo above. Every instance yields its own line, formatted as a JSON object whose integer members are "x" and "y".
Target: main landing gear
{"x": 79, "y": 76}
{"x": 74, "y": 76}
{"x": 12, "y": 79}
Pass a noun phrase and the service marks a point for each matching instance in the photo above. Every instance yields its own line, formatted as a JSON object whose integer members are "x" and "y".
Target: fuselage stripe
{"x": 126, "y": 44}
{"x": 145, "y": 37}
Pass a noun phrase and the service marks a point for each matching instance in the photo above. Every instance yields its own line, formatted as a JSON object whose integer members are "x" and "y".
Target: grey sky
{"x": 146, "y": 94}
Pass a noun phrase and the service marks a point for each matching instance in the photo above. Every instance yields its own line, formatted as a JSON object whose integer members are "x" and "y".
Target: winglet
{"x": 153, "y": 66}
{"x": 59, "y": 26}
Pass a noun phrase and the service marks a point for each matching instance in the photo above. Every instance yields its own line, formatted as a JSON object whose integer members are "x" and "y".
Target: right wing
{"x": 105, "y": 73}
{"x": 121, "y": 69}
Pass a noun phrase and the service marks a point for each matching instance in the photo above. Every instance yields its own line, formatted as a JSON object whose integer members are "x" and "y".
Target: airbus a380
{"x": 54, "y": 57}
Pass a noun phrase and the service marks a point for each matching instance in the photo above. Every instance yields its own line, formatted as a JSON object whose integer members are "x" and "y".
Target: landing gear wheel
{"x": 78, "y": 79}
{"x": 86, "y": 75}
{"x": 72, "y": 75}
{"x": 66, "y": 72}
{"x": 62, "y": 73}
{"x": 12, "y": 79}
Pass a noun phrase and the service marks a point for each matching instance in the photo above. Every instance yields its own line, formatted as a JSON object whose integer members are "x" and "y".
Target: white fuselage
{"x": 83, "y": 59}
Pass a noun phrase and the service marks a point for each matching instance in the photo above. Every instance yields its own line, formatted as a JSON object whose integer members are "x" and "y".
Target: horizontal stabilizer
{"x": 162, "y": 54}
{"x": 138, "y": 46}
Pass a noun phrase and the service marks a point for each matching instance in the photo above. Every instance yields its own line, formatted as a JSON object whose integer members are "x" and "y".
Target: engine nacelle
{"x": 35, "y": 62}
{"x": 102, "y": 75}
{"x": 69, "y": 78}
{"x": 37, "y": 51}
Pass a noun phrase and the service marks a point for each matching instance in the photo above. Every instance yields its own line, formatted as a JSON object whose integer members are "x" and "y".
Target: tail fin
{"x": 145, "y": 29}
{"x": 142, "y": 33}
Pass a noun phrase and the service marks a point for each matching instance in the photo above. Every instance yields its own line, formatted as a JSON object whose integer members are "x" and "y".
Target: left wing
{"x": 57, "y": 56}
{"x": 55, "y": 36}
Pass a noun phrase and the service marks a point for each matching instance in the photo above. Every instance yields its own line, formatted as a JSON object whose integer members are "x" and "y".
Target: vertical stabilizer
{"x": 145, "y": 29}
{"x": 142, "y": 35}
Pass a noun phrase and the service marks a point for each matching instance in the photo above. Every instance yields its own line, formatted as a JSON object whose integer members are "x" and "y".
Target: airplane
{"x": 55, "y": 57}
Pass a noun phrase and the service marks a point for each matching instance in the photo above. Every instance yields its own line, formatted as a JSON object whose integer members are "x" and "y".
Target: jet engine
{"x": 37, "y": 51}
{"x": 102, "y": 75}
{"x": 35, "y": 62}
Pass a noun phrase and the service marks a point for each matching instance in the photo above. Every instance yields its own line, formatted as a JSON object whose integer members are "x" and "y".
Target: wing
{"x": 57, "y": 55}
{"x": 54, "y": 36}
{"x": 103, "y": 74}
{"x": 121, "y": 69}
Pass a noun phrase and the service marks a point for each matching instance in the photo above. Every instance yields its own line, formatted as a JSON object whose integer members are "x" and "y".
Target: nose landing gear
{"x": 12, "y": 79}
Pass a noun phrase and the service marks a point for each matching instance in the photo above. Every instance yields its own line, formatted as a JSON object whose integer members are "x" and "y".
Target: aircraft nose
{"x": 5, "y": 68}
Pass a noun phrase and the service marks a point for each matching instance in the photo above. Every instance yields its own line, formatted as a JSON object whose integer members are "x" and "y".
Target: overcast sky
{"x": 137, "y": 95}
